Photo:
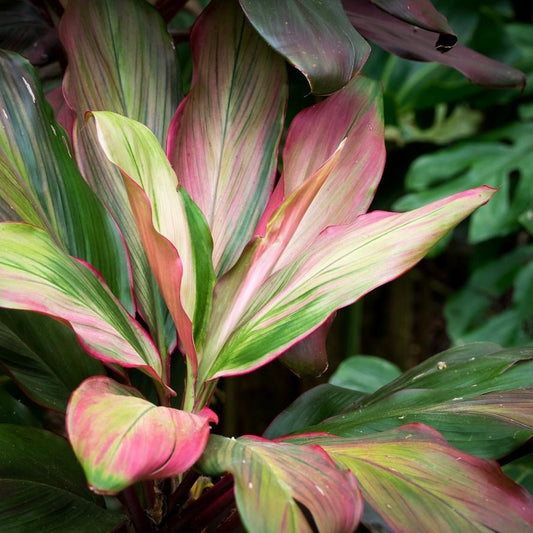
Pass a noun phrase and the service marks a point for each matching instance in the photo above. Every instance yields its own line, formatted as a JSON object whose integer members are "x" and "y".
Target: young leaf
{"x": 34, "y": 351}
{"x": 343, "y": 264}
{"x": 36, "y": 275}
{"x": 40, "y": 184}
{"x": 173, "y": 230}
{"x": 478, "y": 396}
{"x": 120, "y": 438}
{"x": 42, "y": 487}
{"x": 272, "y": 481}
{"x": 316, "y": 37}
{"x": 110, "y": 68}
{"x": 224, "y": 138}
{"x": 416, "y": 482}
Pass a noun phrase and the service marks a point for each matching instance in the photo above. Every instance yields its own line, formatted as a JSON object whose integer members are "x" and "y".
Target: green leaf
{"x": 13, "y": 411}
{"x": 36, "y": 275}
{"x": 40, "y": 184}
{"x": 224, "y": 138}
{"x": 272, "y": 480}
{"x": 316, "y": 37}
{"x": 343, "y": 264}
{"x": 415, "y": 481}
{"x": 44, "y": 357}
{"x": 111, "y": 68}
{"x": 364, "y": 373}
{"x": 173, "y": 230}
{"x": 501, "y": 158}
{"x": 120, "y": 438}
{"x": 42, "y": 487}
{"x": 478, "y": 396}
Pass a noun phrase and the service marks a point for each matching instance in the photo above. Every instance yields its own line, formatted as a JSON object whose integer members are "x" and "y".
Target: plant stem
{"x": 129, "y": 499}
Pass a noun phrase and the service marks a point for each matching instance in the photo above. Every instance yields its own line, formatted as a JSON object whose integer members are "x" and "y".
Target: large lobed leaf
{"x": 343, "y": 264}
{"x": 315, "y": 36}
{"x": 120, "y": 438}
{"x": 121, "y": 59}
{"x": 417, "y": 482}
{"x": 36, "y": 275}
{"x": 224, "y": 138}
{"x": 273, "y": 480}
{"x": 42, "y": 487}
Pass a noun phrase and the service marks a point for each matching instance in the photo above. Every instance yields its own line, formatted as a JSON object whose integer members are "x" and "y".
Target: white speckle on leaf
{"x": 53, "y": 129}
{"x": 28, "y": 86}
{"x": 401, "y": 417}
{"x": 4, "y": 112}
{"x": 250, "y": 485}
{"x": 441, "y": 365}
{"x": 456, "y": 399}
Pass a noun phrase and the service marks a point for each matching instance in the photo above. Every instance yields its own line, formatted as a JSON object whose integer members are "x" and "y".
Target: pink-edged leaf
{"x": 120, "y": 438}
{"x": 354, "y": 114}
{"x": 224, "y": 138}
{"x": 414, "y": 42}
{"x": 418, "y": 483}
{"x": 343, "y": 264}
{"x": 110, "y": 68}
{"x": 36, "y": 275}
{"x": 62, "y": 112}
{"x": 315, "y": 36}
{"x": 272, "y": 478}
{"x": 309, "y": 357}
{"x": 173, "y": 231}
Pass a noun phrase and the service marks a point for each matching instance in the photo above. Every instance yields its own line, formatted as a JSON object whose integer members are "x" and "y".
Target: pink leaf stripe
{"x": 36, "y": 275}
{"x": 236, "y": 104}
{"x": 120, "y": 438}
{"x": 271, "y": 477}
{"x": 418, "y": 483}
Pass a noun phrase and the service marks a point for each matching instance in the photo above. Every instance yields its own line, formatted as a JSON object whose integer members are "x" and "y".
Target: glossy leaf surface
{"x": 224, "y": 138}
{"x": 42, "y": 487}
{"x": 416, "y": 482}
{"x": 40, "y": 184}
{"x": 123, "y": 46}
{"x": 343, "y": 264}
{"x": 272, "y": 478}
{"x": 36, "y": 275}
{"x": 120, "y": 438}
{"x": 412, "y": 42}
{"x": 44, "y": 357}
{"x": 316, "y": 37}
{"x": 478, "y": 396}
{"x": 173, "y": 230}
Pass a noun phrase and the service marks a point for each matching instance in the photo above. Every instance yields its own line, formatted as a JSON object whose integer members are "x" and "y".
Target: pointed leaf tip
{"x": 120, "y": 438}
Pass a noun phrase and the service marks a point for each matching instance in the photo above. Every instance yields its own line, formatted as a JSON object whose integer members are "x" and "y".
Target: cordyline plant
{"x": 151, "y": 218}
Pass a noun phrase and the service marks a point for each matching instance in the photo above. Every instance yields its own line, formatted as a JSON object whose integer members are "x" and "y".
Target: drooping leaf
{"x": 42, "y": 487}
{"x": 44, "y": 357}
{"x": 343, "y": 264}
{"x": 224, "y": 138}
{"x": 272, "y": 478}
{"x": 501, "y": 158}
{"x": 312, "y": 407}
{"x": 478, "y": 396}
{"x": 120, "y": 438}
{"x": 40, "y": 184}
{"x": 173, "y": 230}
{"x": 36, "y": 275}
{"x": 114, "y": 66}
{"x": 316, "y": 37}
{"x": 417, "y": 482}
{"x": 414, "y": 42}
{"x": 364, "y": 373}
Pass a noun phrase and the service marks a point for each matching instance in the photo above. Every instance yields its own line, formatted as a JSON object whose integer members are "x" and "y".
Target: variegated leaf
{"x": 315, "y": 36}
{"x": 224, "y": 138}
{"x": 173, "y": 230}
{"x": 120, "y": 438}
{"x": 272, "y": 479}
{"x": 418, "y": 483}
{"x": 343, "y": 264}
{"x": 36, "y": 275}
